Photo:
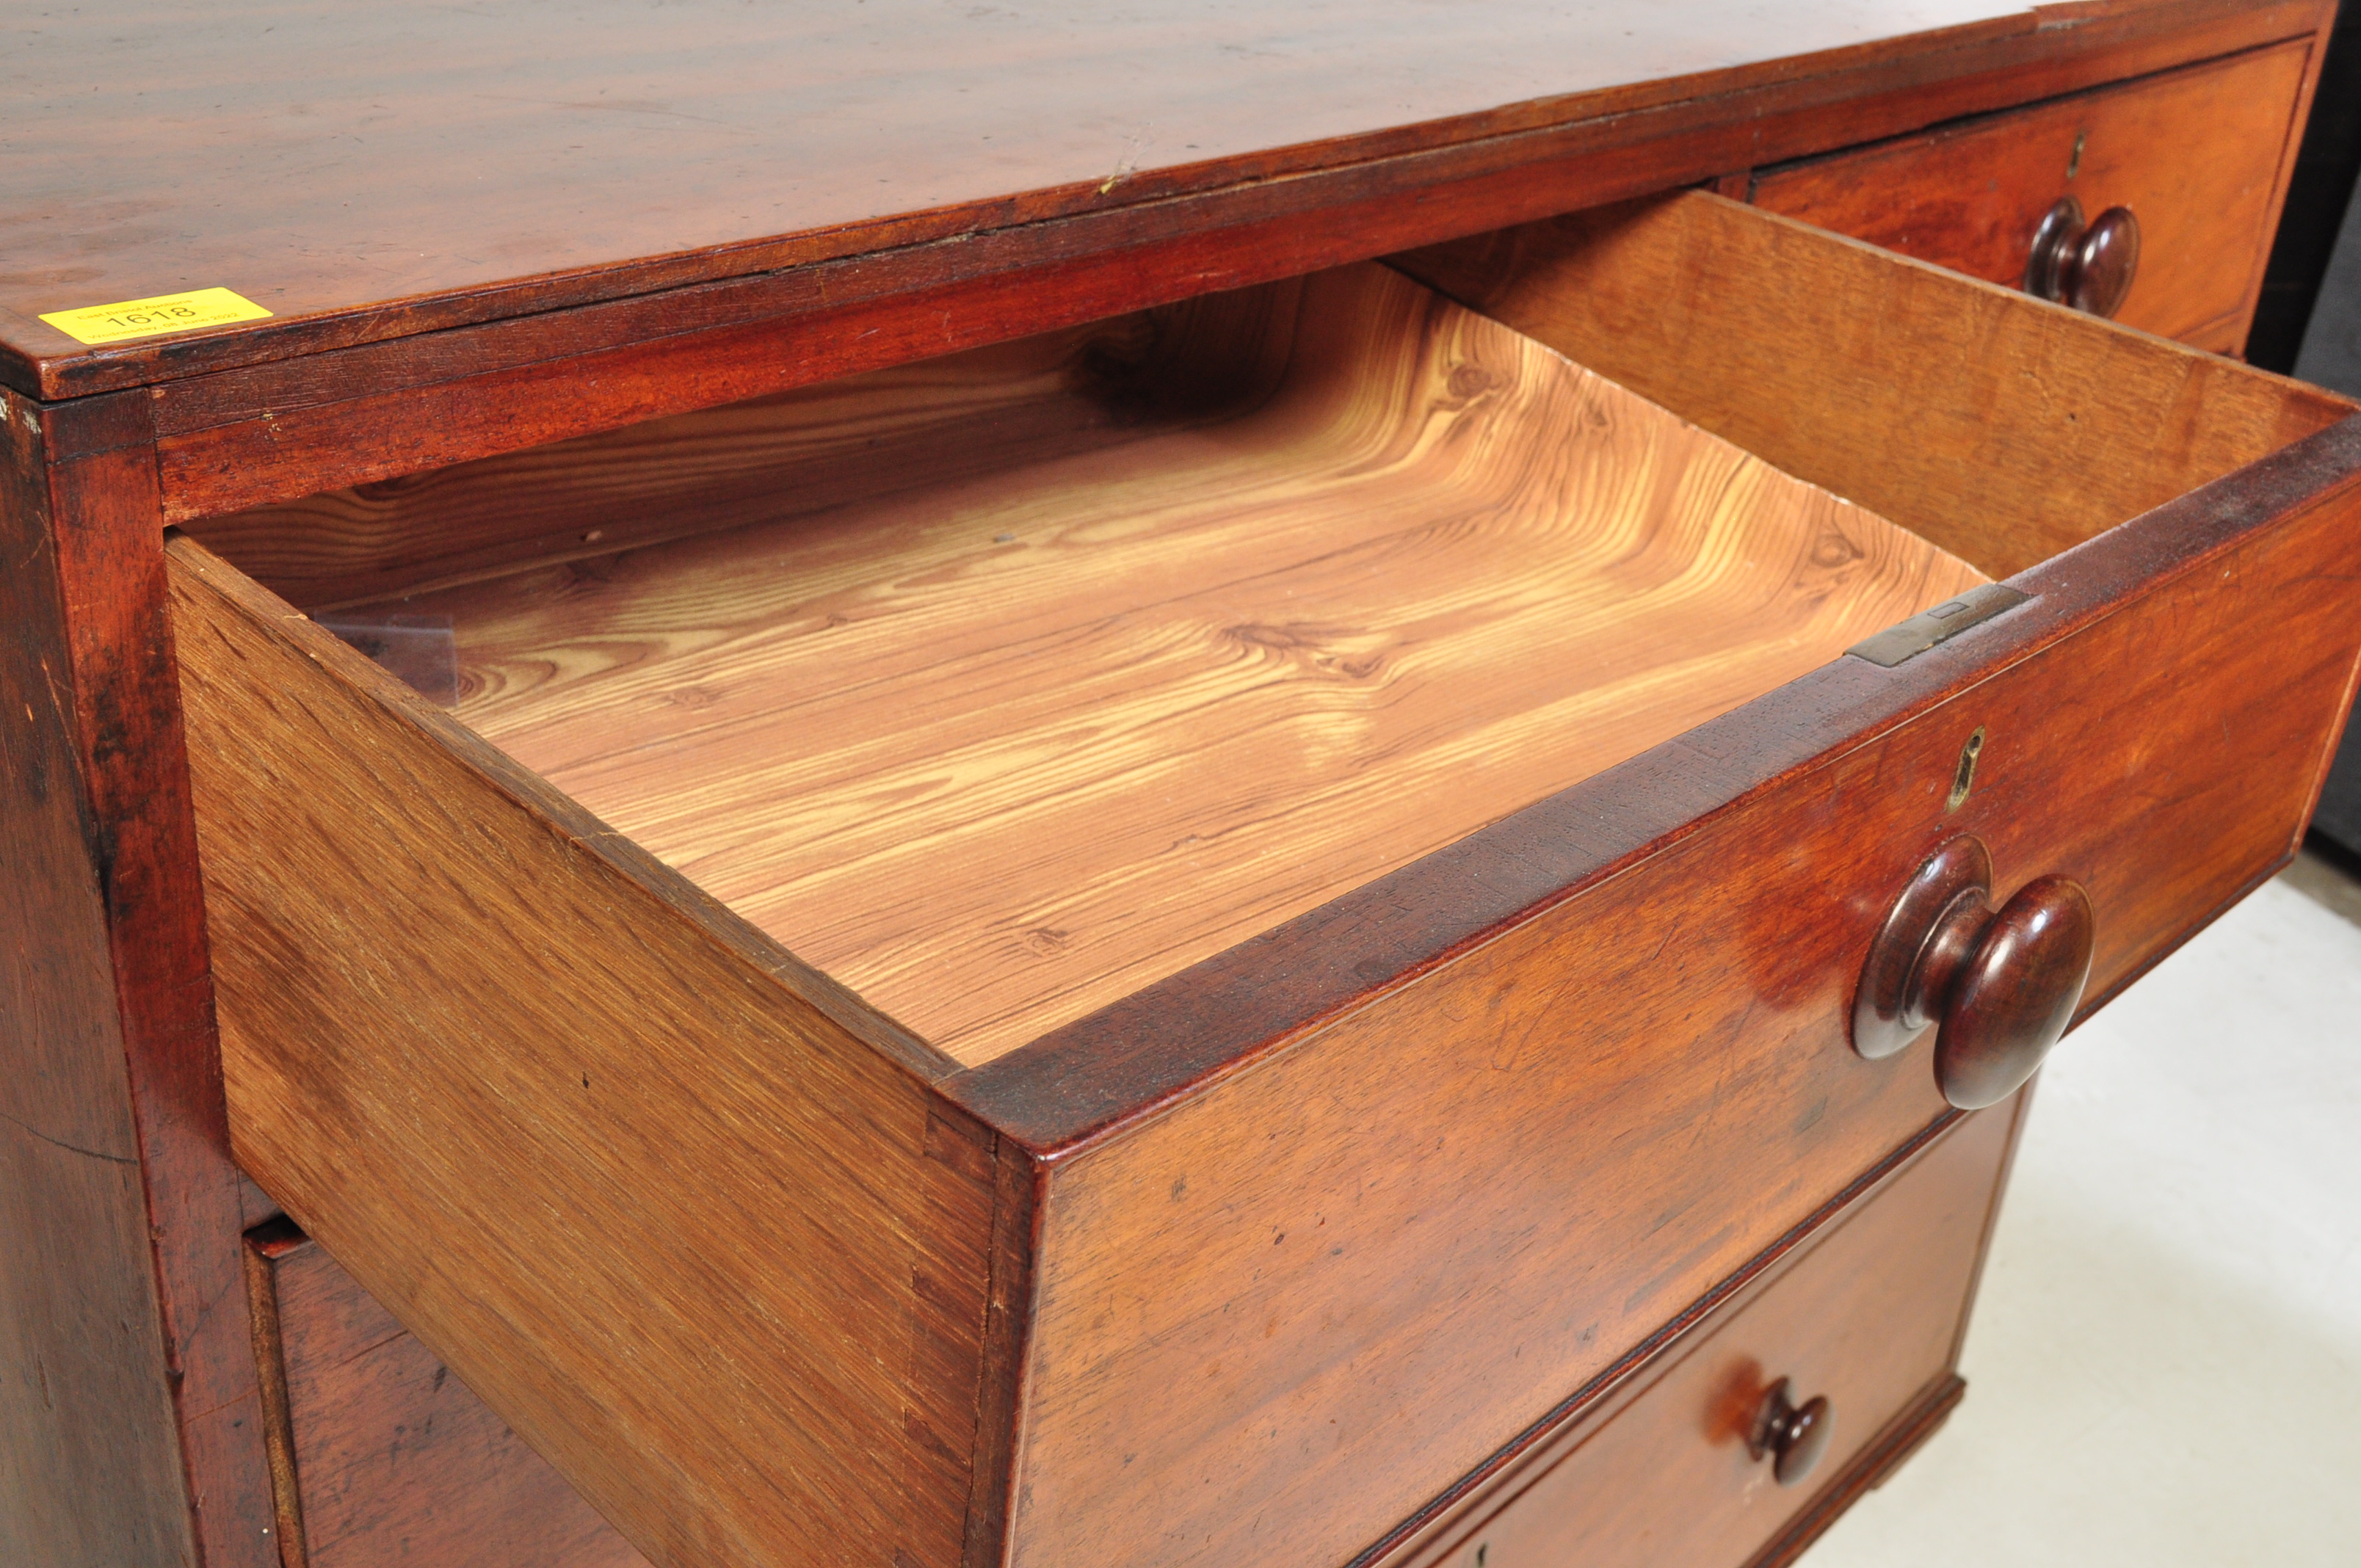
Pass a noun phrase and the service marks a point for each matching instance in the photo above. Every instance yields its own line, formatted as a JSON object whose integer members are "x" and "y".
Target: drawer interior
{"x": 1000, "y": 686}
{"x": 1016, "y": 682}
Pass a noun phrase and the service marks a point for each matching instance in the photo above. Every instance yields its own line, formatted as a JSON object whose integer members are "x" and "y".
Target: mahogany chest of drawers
{"x": 845, "y": 840}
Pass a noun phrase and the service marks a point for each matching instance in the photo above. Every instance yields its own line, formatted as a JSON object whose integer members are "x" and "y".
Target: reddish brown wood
{"x": 263, "y": 1247}
{"x": 592, "y": 202}
{"x": 1903, "y": 1437}
{"x": 1008, "y": 1322}
{"x": 86, "y": 1390}
{"x": 115, "y": 1058}
{"x": 1666, "y": 1471}
{"x": 398, "y": 1462}
{"x": 110, "y": 936}
{"x": 1441, "y": 1531}
{"x": 2000, "y": 987}
{"x": 1791, "y": 1437}
{"x": 2105, "y": 262}
{"x": 1313, "y": 1045}
{"x": 337, "y": 418}
{"x": 2011, "y": 991}
{"x": 2195, "y": 156}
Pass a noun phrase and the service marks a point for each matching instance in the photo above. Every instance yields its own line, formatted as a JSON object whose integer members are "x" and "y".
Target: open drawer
{"x": 1142, "y": 947}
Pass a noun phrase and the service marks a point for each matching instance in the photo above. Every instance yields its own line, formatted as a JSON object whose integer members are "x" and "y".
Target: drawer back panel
{"x": 2001, "y": 428}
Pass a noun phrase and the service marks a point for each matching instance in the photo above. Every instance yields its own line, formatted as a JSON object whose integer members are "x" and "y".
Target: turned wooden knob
{"x": 2089, "y": 267}
{"x": 1792, "y": 1435}
{"x": 2001, "y": 987}
{"x": 2104, "y": 262}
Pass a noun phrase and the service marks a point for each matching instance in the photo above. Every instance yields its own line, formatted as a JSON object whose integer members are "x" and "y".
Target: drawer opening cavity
{"x": 1000, "y": 686}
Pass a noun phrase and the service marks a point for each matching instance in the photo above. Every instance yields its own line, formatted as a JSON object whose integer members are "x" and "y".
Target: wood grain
{"x": 365, "y": 407}
{"x": 2004, "y": 430}
{"x": 1428, "y": 1158}
{"x": 2195, "y": 154}
{"x": 689, "y": 1221}
{"x": 89, "y": 1461}
{"x": 130, "y": 1427}
{"x": 333, "y": 410}
{"x": 1865, "y": 1315}
{"x": 933, "y": 424}
{"x": 961, "y": 747}
{"x": 398, "y": 194}
{"x": 1440, "y": 1531}
{"x": 400, "y": 1462}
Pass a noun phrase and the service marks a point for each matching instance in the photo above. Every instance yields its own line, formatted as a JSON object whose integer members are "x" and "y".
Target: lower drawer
{"x": 1866, "y": 1315}
{"x": 387, "y": 1459}
{"x": 381, "y": 1456}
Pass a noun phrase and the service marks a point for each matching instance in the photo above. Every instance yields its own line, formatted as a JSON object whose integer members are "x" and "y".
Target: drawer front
{"x": 394, "y": 1462}
{"x": 1867, "y": 1315}
{"x": 2196, "y": 155}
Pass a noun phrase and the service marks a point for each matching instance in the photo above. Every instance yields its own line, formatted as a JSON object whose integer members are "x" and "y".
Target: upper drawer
{"x": 2194, "y": 154}
{"x": 1326, "y": 850}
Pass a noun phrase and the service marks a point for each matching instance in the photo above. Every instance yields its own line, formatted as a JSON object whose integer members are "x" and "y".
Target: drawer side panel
{"x": 718, "y": 1260}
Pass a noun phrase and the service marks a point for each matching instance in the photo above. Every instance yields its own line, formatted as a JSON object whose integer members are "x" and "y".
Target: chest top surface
{"x": 425, "y": 167}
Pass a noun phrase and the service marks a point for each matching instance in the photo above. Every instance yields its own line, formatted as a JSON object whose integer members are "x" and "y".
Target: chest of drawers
{"x": 1184, "y": 867}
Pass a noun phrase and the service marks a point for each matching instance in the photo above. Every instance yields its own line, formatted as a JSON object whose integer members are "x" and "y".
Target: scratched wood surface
{"x": 997, "y": 753}
{"x": 357, "y": 156}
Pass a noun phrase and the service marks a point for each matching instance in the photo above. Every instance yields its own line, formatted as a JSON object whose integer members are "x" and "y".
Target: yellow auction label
{"x": 146, "y": 318}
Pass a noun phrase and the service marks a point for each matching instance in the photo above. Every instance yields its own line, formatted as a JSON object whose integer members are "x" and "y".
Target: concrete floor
{"x": 2165, "y": 1364}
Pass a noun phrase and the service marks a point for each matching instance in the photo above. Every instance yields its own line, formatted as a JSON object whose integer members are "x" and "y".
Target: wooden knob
{"x": 1792, "y": 1435}
{"x": 2053, "y": 239}
{"x": 2089, "y": 267}
{"x": 2002, "y": 986}
{"x": 2099, "y": 273}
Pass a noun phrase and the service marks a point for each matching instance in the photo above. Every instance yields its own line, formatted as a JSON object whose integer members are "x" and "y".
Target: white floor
{"x": 2165, "y": 1367}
